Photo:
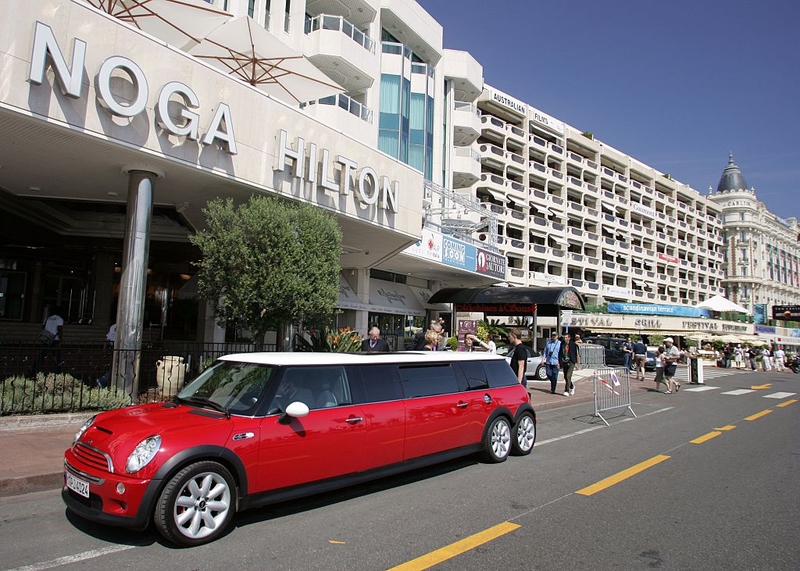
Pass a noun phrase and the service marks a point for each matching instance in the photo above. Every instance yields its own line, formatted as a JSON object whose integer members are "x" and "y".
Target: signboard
{"x": 657, "y": 309}
{"x": 497, "y": 308}
{"x": 788, "y": 312}
{"x": 491, "y": 264}
{"x": 760, "y": 313}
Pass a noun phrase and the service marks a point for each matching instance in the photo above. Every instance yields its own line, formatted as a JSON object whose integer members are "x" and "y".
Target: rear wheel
{"x": 541, "y": 373}
{"x": 197, "y": 504}
{"x": 497, "y": 440}
{"x": 524, "y": 435}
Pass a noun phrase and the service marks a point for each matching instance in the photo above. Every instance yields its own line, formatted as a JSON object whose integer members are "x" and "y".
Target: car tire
{"x": 497, "y": 440}
{"x": 523, "y": 436}
{"x": 541, "y": 373}
{"x": 197, "y": 504}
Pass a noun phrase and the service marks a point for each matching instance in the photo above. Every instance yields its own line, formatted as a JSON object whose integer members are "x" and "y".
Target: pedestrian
{"x": 627, "y": 353}
{"x": 766, "y": 359}
{"x": 570, "y": 358}
{"x": 779, "y": 356}
{"x": 431, "y": 341}
{"x": 671, "y": 356}
{"x": 51, "y": 336}
{"x": 640, "y": 358}
{"x": 551, "y": 360}
{"x": 374, "y": 343}
{"x": 420, "y": 339}
{"x": 751, "y": 356}
{"x": 490, "y": 345}
{"x": 659, "y": 379}
{"x": 519, "y": 355}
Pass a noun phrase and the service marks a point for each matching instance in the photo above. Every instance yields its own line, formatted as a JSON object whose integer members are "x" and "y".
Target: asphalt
{"x": 32, "y": 447}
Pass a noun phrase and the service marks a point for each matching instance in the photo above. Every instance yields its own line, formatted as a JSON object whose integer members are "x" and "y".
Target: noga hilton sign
{"x": 372, "y": 189}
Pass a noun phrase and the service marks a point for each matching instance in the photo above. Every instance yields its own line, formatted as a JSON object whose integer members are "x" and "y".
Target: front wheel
{"x": 197, "y": 504}
{"x": 497, "y": 440}
{"x": 541, "y": 373}
{"x": 524, "y": 435}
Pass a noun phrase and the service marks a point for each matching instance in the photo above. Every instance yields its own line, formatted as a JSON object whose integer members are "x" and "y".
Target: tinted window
{"x": 374, "y": 383}
{"x": 499, "y": 374}
{"x": 317, "y": 387}
{"x": 428, "y": 380}
{"x": 471, "y": 375}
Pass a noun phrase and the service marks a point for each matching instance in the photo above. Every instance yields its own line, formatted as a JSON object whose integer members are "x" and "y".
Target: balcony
{"x": 538, "y": 141}
{"x": 345, "y": 114}
{"x": 492, "y": 155}
{"x": 466, "y": 123}
{"x": 466, "y": 164}
{"x": 343, "y": 52}
{"x": 517, "y": 133}
{"x": 493, "y": 128}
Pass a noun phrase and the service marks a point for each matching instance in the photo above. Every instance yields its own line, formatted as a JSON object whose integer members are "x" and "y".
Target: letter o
{"x": 136, "y": 75}
{"x": 362, "y": 187}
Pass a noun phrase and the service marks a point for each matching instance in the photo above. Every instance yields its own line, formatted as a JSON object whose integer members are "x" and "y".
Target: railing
{"x": 339, "y": 24}
{"x": 468, "y": 107}
{"x": 72, "y": 377}
{"x": 348, "y": 104}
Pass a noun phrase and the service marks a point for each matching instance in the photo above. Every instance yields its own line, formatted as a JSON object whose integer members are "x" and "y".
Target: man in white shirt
{"x": 54, "y": 325}
{"x": 780, "y": 357}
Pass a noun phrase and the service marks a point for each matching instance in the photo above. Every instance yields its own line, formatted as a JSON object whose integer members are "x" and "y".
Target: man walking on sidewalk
{"x": 570, "y": 358}
{"x": 640, "y": 358}
{"x": 551, "y": 360}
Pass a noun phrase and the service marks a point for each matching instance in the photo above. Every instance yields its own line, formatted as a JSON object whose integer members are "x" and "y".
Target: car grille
{"x": 93, "y": 457}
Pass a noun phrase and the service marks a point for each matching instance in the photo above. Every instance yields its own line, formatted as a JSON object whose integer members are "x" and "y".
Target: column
{"x": 133, "y": 283}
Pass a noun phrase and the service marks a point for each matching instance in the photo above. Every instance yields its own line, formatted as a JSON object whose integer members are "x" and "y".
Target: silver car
{"x": 534, "y": 369}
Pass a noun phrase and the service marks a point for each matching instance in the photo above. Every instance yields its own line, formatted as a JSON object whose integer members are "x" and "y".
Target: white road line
{"x": 738, "y": 392}
{"x": 779, "y": 395}
{"x": 699, "y": 389}
{"x": 69, "y": 559}
{"x": 593, "y": 428}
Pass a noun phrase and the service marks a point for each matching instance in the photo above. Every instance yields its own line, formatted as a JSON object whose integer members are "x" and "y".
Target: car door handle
{"x": 462, "y": 404}
{"x": 354, "y": 420}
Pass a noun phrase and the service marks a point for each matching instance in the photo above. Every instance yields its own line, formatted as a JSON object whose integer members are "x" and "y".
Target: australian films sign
{"x": 497, "y": 308}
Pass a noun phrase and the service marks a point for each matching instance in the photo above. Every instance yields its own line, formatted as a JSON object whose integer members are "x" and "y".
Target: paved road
{"x": 704, "y": 479}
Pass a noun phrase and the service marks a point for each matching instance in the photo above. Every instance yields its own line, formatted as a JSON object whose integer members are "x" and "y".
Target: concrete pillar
{"x": 133, "y": 283}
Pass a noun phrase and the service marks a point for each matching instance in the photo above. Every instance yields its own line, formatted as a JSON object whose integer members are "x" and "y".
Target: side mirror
{"x": 295, "y": 409}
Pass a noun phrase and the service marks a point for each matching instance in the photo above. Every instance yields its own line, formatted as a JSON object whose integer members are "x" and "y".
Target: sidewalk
{"x": 32, "y": 447}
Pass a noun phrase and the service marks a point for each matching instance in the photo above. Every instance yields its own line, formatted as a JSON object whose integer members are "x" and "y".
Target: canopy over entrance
{"x": 546, "y": 301}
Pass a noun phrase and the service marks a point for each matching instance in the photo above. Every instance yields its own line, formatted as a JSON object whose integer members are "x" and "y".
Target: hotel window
{"x": 266, "y": 14}
{"x": 251, "y": 7}
{"x": 287, "y": 19}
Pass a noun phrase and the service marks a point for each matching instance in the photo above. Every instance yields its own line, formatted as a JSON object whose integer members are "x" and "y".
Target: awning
{"x": 348, "y": 298}
{"x": 389, "y": 297}
{"x": 497, "y": 195}
{"x": 548, "y": 301}
{"x": 424, "y": 296}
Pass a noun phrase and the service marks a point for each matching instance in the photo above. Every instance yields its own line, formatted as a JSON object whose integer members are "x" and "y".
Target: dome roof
{"x": 732, "y": 178}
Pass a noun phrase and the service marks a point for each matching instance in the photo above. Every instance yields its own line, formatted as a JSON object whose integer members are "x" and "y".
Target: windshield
{"x": 230, "y": 386}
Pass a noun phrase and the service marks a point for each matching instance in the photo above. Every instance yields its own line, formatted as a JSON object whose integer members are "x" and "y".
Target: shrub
{"x": 50, "y": 393}
{"x": 328, "y": 341}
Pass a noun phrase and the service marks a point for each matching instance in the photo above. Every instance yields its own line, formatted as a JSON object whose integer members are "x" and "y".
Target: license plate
{"x": 77, "y": 485}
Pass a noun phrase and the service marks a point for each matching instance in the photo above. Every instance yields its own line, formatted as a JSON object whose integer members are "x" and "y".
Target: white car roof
{"x": 313, "y": 358}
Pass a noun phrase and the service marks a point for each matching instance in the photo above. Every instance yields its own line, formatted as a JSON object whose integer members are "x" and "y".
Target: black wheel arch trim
{"x": 199, "y": 454}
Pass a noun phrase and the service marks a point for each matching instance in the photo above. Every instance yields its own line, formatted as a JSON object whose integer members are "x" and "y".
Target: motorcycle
{"x": 794, "y": 364}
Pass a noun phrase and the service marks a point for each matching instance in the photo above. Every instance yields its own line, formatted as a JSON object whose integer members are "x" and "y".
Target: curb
{"x": 30, "y": 484}
{"x": 36, "y": 421}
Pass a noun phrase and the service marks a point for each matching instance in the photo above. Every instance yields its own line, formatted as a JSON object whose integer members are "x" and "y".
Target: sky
{"x": 677, "y": 84}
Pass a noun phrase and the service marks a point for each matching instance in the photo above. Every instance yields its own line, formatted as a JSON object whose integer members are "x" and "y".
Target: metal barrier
{"x": 612, "y": 389}
{"x": 592, "y": 356}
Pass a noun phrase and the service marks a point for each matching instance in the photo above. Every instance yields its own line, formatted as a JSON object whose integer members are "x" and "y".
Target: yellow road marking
{"x": 764, "y": 386}
{"x": 705, "y": 437}
{"x": 449, "y": 551}
{"x": 787, "y": 403}
{"x": 620, "y": 476}
{"x": 726, "y": 427}
{"x": 758, "y": 414}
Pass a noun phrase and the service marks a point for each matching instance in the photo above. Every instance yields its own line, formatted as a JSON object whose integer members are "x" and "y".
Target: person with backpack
{"x": 552, "y": 360}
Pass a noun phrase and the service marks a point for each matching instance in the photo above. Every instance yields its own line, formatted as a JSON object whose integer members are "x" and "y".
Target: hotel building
{"x": 436, "y": 179}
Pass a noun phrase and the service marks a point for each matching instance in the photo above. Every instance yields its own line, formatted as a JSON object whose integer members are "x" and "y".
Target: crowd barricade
{"x": 592, "y": 356}
{"x": 612, "y": 390}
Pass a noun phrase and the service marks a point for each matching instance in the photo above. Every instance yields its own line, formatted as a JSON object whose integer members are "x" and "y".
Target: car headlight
{"x": 83, "y": 429}
{"x": 145, "y": 451}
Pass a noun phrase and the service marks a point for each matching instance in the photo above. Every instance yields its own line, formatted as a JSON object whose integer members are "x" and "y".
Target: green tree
{"x": 269, "y": 263}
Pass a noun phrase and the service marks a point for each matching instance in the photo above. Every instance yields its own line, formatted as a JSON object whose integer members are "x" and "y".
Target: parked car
{"x": 615, "y": 356}
{"x": 255, "y": 429}
{"x": 535, "y": 367}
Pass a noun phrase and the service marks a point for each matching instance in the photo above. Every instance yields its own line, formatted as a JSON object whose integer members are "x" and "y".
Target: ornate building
{"x": 762, "y": 251}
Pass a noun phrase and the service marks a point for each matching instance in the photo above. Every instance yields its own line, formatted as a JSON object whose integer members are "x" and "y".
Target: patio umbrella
{"x": 728, "y": 338}
{"x": 248, "y": 51}
{"x": 721, "y": 304}
{"x": 180, "y": 23}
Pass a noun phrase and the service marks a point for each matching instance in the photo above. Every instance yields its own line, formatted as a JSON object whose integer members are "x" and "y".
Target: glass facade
{"x": 406, "y": 107}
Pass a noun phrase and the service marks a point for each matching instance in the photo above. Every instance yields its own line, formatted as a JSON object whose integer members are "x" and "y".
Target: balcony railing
{"x": 348, "y": 104}
{"x": 338, "y": 23}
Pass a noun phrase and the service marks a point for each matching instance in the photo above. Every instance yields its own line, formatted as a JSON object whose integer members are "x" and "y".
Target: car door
{"x": 438, "y": 413}
{"x": 328, "y": 442}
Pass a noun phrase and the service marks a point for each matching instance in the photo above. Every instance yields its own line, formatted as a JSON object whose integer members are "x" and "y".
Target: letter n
{"x": 44, "y": 43}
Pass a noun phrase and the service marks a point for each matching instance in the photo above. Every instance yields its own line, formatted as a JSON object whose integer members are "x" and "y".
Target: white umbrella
{"x": 721, "y": 304}
{"x": 180, "y": 23}
{"x": 248, "y": 51}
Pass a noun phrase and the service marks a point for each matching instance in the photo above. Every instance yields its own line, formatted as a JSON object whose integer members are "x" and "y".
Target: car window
{"x": 316, "y": 387}
{"x": 499, "y": 374}
{"x": 471, "y": 375}
{"x": 427, "y": 380}
{"x": 374, "y": 383}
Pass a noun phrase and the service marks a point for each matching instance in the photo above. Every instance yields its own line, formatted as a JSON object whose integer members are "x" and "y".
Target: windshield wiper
{"x": 203, "y": 401}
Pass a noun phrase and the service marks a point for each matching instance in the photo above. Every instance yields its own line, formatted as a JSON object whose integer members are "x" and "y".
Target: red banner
{"x": 498, "y": 308}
